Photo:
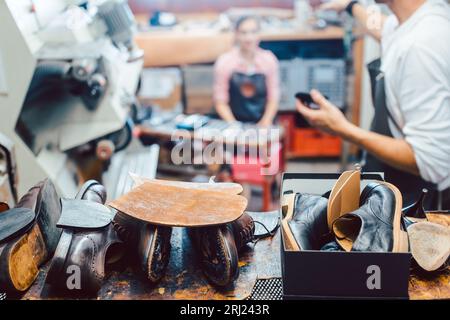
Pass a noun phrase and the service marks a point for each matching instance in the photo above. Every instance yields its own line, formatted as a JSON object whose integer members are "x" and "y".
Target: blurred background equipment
{"x": 8, "y": 172}
{"x": 71, "y": 70}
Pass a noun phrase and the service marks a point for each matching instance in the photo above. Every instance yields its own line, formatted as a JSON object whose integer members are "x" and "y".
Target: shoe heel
{"x": 59, "y": 258}
{"x": 156, "y": 255}
{"x": 48, "y": 214}
{"x": 25, "y": 258}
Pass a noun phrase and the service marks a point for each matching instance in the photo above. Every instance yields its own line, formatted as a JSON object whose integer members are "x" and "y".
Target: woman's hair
{"x": 240, "y": 21}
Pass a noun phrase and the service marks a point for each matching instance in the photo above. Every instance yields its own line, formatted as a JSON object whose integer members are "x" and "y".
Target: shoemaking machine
{"x": 69, "y": 70}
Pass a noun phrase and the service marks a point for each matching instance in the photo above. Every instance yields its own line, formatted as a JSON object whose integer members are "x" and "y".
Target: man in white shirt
{"x": 412, "y": 96}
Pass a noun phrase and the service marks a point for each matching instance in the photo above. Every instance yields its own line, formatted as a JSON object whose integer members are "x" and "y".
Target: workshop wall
{"x": 145, "y": 6}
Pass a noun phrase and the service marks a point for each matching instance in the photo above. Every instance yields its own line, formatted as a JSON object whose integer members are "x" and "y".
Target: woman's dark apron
{"x": 248, "y": 96}
{"x": 410, "y": 185}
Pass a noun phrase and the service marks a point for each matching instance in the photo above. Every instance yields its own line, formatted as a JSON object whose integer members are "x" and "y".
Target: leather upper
{"x": 95, "y": 192}
{"x": 88, "y": 251}
{"x": 243, "y": 230}
{"x": 88, "y": 222}
{"x": 371, "y": 226}
{"x": 309, "y": 223}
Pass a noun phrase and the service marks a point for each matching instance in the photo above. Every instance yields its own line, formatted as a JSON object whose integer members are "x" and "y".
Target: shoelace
{"x": 268, "y": 233}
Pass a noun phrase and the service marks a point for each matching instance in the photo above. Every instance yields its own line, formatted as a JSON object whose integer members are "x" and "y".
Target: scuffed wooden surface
{"x": 426, "y": 286}
{"x": 436, "y": 285}
{"x": 174, "y": 206}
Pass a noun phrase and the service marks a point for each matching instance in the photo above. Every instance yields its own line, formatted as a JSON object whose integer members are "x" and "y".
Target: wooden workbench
{"x": 177, "y": 47}
{"x": 184, "y": 278}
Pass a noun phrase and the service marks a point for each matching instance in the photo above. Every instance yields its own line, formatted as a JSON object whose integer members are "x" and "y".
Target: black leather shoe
{"x": 376, "y": 225}
{"x": 88, "y": 245}
{"x": 309, "y": 224}
{"x": 217, "y": 253}
{"x": 218, "y": 247}
{"x": 331, "y": 246}
{"x": 147, "y": 243}
{"x": 28, "y": 237}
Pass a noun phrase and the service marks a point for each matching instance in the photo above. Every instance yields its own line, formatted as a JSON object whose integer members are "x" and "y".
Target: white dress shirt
{"x": 416, "y": 64}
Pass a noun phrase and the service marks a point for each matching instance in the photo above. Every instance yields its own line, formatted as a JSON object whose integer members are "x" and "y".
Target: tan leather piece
{"x": 180, "y": 207}
{"x": 346, "y": 231}
{"x": 401, "y": 242}
{"x": 287, "y": 207}
{"x": 344, "y": 197}
{"x": 227, "y": 187}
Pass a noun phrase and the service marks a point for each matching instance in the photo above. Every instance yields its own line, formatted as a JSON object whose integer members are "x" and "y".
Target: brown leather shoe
{"x": 218, "y": 247}
{"x": 89, "y": 244}
{"x": 28, "y": 237}
{"x": 148, "y": 243}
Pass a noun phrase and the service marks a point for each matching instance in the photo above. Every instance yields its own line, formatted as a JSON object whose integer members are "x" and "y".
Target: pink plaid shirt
{"x": 265, "y": 63}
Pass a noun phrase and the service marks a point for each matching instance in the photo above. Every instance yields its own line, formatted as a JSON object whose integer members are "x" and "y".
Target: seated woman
{"x": 246, "y": 79}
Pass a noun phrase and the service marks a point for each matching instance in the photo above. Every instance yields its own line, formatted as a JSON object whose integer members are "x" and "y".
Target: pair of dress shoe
{"x": 378, "y": 225}
{"x": 76, "y": 234}
{"x": 217, "y": 247}
{"x": 28, "y": 237}
{"x": 374, "y": 225}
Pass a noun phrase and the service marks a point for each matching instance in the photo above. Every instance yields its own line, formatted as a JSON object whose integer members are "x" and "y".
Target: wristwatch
{"x": 349, "y": 7}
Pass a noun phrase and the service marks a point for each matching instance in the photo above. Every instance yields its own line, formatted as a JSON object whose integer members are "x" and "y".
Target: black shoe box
{"x": 339, "y": 275}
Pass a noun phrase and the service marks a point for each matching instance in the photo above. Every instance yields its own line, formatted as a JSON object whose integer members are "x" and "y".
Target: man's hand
{"x": 336, "y": 5}
{"x": 396, "y": 152}
{"x": 328, "y": 118}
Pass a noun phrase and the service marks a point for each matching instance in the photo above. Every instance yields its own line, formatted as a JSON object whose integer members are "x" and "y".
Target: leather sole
{"x": 156, "y": 254}
{"x": 400, "y": 236}
{"x": 288, "y": 211}
{"x": 225, "y": 187}
{"x": 228, "y": 256}
{"x": 430, "y": 244}
{"x": 23, "y": 260}
{"x": 217, "y": 254}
